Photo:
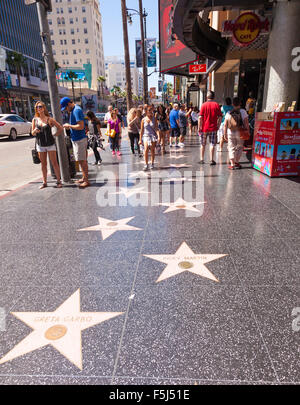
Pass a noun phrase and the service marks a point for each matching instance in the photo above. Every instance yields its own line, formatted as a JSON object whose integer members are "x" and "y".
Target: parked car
{"x": 100, "y": 117}
{"x": 12, "y": 125}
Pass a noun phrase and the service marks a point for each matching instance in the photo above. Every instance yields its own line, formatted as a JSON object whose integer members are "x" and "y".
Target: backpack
{"x": 236, "y": 122}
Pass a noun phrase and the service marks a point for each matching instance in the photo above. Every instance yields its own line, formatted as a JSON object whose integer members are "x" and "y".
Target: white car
{"x": 12, "y": 125}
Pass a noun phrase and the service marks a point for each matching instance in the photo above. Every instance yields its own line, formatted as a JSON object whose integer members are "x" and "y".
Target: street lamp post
{"x": 53, "y": 89}
{"x": 126, "y": 54}
{"x": 143, "y": 22}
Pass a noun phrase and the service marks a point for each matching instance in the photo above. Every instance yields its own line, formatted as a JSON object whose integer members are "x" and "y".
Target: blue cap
{"x": 64, "y": 102}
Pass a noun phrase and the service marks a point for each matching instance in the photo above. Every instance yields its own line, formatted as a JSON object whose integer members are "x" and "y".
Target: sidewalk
{"x": 201, "y": 296}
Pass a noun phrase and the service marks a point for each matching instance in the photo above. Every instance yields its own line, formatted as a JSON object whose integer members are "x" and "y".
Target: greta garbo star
{"x": 186, "y": 260}
{"x": 60, "y": 329}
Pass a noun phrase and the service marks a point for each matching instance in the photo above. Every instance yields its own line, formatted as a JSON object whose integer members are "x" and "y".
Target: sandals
{"x": 58, "y": 184}
{"x": 44, "y": 185}
{"x": 79, "y": 181}
{"x": 231, "y": 167}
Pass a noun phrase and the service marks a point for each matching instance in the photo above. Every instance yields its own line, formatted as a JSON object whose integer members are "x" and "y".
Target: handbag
{"x": 35, "y": 155}
{"x": 244, "y": 134}
{"x": 112, "y": 133}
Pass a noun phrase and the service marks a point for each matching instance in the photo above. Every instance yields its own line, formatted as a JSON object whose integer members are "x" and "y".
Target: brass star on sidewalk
{"x": 60, "y": 329}
{"x": 186, "y": 260}
{"x": 181, "y": 204}
{"x": 107, "y": 227}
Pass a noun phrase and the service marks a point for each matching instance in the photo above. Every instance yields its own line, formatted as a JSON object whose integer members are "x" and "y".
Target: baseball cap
{"x": 64, "y": 102}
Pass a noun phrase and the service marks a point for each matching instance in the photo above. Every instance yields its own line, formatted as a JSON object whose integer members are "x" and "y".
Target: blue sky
{"x": 113, "y": 31}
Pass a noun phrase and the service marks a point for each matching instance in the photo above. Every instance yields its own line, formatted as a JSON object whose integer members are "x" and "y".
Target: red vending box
{"x": 276, "y": 144}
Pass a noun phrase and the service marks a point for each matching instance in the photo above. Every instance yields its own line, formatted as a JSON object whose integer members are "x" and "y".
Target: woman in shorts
{"x": 148, "y": 136}
{"x": 163, "y": 126}
{"x": 42, "y": 125}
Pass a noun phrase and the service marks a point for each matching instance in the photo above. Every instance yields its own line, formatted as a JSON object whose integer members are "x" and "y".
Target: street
{"x": 16, "y": 167}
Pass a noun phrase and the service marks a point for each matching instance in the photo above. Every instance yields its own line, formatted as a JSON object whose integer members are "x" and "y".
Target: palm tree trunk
{"x": 127, "y": 56}
{"x": 73, "y": 91}
{"x": 145, "y": 77}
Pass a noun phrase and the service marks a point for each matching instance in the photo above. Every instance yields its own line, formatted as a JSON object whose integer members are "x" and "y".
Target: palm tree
{"x": 101, "y": 80}
{"x": 18, "y": 61}
{"x": 72, "y": 76}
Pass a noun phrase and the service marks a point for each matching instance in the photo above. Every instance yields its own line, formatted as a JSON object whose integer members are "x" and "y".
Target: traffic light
{"x": 46, "y": 3}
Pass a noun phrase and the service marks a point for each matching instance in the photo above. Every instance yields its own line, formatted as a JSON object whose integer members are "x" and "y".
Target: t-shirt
{"x": 210, "y": 112}
{"x": 107, "y": 117}
{"x": 228, "y": 117}
{"x": 225, "y": 109}
{"x": 174, "y": 116}
{"x": 182, "y": 119}
{"x": 75, "y": 117}
{"x": 114, "y": 125}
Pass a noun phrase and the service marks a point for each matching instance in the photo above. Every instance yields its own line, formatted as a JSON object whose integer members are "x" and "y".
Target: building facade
{"x": 115, "y": 76}
{"x": 20, "y": 33}
{"x": 76, "y": 35}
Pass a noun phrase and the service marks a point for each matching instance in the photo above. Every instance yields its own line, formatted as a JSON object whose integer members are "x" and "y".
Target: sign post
{"x": 198, "y": 69}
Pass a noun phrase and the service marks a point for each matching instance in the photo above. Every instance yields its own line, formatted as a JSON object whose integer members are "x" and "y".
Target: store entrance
{"x": 252, "y": 79}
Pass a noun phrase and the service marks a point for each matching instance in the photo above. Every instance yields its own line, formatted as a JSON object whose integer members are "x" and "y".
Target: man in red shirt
{"x": 208, "y": 125}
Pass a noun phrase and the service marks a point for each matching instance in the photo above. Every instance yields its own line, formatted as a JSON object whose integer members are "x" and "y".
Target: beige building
{"x": 76, "y": 35}
{"x": 116, "y": 76}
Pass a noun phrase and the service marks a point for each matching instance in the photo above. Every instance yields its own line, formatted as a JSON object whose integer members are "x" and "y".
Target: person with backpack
{"x": 94, "y": 130}
{"x": 236, "y": 130}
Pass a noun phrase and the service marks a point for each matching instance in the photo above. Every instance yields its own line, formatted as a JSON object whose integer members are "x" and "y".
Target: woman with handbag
{"x": 236, "y": 131}
{"x": 42, "y": 125}
{"x": 94, "y": 130}
{"x": 114, "y": 130}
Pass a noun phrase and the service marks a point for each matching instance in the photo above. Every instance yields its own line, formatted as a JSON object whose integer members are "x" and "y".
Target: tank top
{"x": 149, "y": 128}
{"x": 44, "y": 137}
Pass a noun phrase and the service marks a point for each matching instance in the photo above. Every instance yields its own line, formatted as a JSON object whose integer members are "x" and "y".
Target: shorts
{"x": 163, "y": 126}
{"x": 51, "y": 148}
{"x": 212, "y": 138}
{"x": 175, "y": 133}
{"x": 150, "y": 139}
{"x": 183, "y": 131}
{"x": 80, "y": 149}
{"x": 194, "y": 123}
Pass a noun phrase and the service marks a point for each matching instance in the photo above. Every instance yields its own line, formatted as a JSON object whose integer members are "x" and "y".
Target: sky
{"x": 113, "y": 29}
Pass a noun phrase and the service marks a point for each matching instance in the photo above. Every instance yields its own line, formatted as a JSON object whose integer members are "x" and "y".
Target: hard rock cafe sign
{"x": 246, "y": 28}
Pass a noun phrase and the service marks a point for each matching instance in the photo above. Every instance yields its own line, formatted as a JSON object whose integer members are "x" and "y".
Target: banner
{"x": 160, "y": 86}
{"x": 2, "y": 59}
{"x": 173, "y": 53}
{"x": 151, "y": 52}
{"x": 152, "y": 92}
{"x": 90, "y": 102}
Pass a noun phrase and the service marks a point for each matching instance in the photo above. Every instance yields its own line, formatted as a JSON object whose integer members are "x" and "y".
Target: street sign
{"x": 198, "y": 69}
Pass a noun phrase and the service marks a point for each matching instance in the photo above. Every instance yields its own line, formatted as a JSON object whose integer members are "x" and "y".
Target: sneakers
{"x": 237, "y": 166}
{"x": 99, "y": 163}
{"x": 113, "y": 153}
{"x": 171, "y": 145}
{"x": 212, "y": 163}
{"x": 231, "y": 167}
{"x": 119, "y": 153}
{"x": 181, "y": 145}
{"x": 145, "y": 168}
{"x": 201, "y": 162}
{"x": 152, "y": 166}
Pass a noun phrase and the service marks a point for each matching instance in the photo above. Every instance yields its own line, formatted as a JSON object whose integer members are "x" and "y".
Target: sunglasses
{"x": 39, "y": 107}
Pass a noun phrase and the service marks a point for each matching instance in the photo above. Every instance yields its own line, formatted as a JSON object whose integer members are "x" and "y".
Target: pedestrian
{"x": 194, "y": 120}
{"x": 78, "y": 137}
{"x": 236, "y": 121}
{"x": 183, "y": 122}
{"x": 149, "y": 136}
{"x": 94, "y": 130}
{"x": 114, "y": 130}
{"x": 134, "y": 127}
{"x": 107, "y": 116}
{"x": 163, "y": 126}
{"x": 174, "y": 124}
{"x": 227, "y": 107}
{"x": 42, "y": 125}
{"x": 250, "y": 104}
{"x": 208, "y": 126}
{"x": 120, "y": 117}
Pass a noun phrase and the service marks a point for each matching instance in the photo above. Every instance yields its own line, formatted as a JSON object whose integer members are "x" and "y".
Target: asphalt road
{"x": 16, "y": 167}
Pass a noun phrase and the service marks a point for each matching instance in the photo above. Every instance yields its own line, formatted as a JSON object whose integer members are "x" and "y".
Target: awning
{"x": 196, "y": 33}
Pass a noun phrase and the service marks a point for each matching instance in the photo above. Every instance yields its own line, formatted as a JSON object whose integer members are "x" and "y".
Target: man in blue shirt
{"x": 78, "y": 136}
{"x": 174, "y": 122}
